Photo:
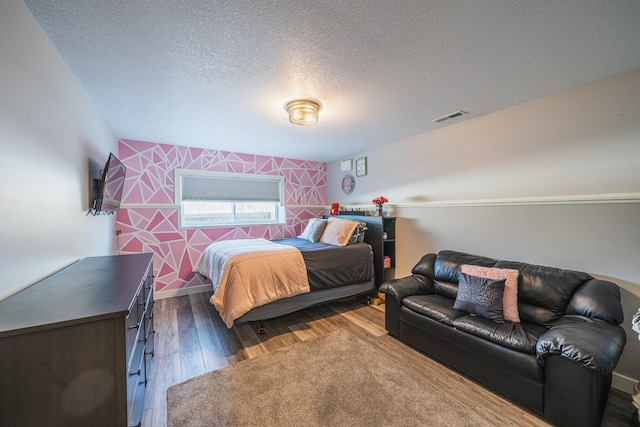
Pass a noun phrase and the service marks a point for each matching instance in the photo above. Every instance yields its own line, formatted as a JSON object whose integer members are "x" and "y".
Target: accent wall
{"x": 148, "y": 220}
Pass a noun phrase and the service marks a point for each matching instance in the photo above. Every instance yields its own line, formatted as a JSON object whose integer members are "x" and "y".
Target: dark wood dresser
{"x": 76, "y": 347}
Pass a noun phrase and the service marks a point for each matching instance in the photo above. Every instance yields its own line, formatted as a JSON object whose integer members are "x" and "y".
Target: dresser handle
{"x": 135, "y": 327}
{"x": 138, "y": 425}
{"x": 149, "y": 352}
{"x": 150, "y": 281}
{"x": 143, "y": 382}
{"x": 138, "y": 372}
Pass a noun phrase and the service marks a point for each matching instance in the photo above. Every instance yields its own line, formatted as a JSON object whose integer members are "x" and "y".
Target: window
{"x": 210, "y": 199}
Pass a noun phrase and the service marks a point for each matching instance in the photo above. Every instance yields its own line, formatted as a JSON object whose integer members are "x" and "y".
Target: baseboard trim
{"x": 180, "y": 292}
{"x": 623, "y": 383}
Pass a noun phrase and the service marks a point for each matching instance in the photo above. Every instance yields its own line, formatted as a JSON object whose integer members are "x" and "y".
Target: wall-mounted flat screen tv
{"x": 109, "y": 186}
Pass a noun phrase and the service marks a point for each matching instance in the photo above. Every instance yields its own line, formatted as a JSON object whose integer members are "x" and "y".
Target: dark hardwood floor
{"x": 191, "y": 339}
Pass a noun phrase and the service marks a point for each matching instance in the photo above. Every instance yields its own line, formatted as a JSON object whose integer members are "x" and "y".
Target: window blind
{"x": 230, "y": 189}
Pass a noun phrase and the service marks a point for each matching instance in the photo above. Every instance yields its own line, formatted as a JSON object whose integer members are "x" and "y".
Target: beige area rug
{"x": 332, "y": 380}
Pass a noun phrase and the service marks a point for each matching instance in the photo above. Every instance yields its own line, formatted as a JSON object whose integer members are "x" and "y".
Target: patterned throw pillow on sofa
{"x": 480, "y": 296}
{"x": 510, "y": 297}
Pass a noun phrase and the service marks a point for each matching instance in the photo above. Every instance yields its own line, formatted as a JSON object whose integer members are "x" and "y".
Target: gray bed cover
{"x": 330, "y": 266}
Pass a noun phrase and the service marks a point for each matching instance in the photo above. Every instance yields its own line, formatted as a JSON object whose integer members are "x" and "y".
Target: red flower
{"x": 380, "y": 200}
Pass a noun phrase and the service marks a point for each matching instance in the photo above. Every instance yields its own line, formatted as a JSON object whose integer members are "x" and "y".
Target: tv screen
{"x": 110, "y": 186}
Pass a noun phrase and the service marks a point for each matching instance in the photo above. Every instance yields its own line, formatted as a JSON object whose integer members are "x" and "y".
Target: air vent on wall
{"x": 450, "y": 116}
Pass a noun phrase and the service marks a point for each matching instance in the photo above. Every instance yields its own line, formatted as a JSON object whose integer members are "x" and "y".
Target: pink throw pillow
{"x": 338, "y": 231}
{"x": 510, "y": 296}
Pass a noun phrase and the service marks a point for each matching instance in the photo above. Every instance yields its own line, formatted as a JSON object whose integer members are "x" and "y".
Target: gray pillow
{"x": 358, "y": 233}
{"x": 314, "y": 229}
{"x": 480, "y": 296}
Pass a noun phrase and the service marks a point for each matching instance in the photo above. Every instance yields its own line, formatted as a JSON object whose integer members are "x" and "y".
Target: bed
{"x": 331, "y": 271}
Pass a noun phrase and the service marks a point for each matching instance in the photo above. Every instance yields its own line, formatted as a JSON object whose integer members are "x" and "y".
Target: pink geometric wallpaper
{"x": 148, "y": 219}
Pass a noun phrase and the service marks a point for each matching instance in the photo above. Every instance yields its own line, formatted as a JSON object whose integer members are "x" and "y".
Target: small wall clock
{"x": 348, "y": 184}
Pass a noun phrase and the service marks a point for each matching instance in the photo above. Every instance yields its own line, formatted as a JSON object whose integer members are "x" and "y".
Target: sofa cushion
{"x": 510, "y": 296}
{"x": 446, "y": 289}
{"x": 517, "y": 336}
{"x": 424, "y": 267}
{"x": 435, "y": 307}
{"x": 447, "y": 266}
{"x": 519, "y": 362}
{"x": 544, "y": 292}
{"x": 480, "y": 296}
{"x": 598, "y": 299}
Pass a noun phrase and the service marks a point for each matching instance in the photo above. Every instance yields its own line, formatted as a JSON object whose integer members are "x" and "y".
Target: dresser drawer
{"x": 148, "y": 287}
{"x": 149, "y": 342}
{"x": 133, "y": 322}
{"x": 136, "y": 335}
{"x": 135, "y": 370}
{"x": 136, "y": 386}
{"x": 148, "y": 319}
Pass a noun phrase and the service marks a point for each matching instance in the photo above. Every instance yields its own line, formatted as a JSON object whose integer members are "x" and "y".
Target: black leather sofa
{"x": 557, "y": 361}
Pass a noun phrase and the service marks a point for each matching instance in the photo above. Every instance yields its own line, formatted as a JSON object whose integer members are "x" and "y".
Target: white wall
{"x": 48, "y": 132}
{"x": 582, "y": 141}
{"x": 555, "y": 181}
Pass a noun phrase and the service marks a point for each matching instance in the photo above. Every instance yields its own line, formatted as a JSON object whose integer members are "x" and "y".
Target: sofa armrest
{"x": 592, "y": 343}
{"x": 398, "y": 289}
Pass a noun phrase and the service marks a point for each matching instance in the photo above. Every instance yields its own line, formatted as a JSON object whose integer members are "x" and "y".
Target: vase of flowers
{"x": 379, "y": 201}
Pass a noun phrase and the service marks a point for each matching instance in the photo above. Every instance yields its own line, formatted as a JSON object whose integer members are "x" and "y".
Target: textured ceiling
{"x": 217, "y": 73}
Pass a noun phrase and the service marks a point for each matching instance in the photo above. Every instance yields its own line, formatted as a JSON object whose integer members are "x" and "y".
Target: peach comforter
{"x": 248, "y": 273}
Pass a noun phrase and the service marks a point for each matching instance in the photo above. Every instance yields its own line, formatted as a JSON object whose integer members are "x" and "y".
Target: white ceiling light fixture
{"x": 303, "y": 112}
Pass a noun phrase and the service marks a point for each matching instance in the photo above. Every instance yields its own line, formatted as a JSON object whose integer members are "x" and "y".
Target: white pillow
{"x": 314, "y": 229}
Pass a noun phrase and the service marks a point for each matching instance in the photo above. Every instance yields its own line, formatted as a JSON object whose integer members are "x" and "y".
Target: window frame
{"x": 280, "y": 207}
